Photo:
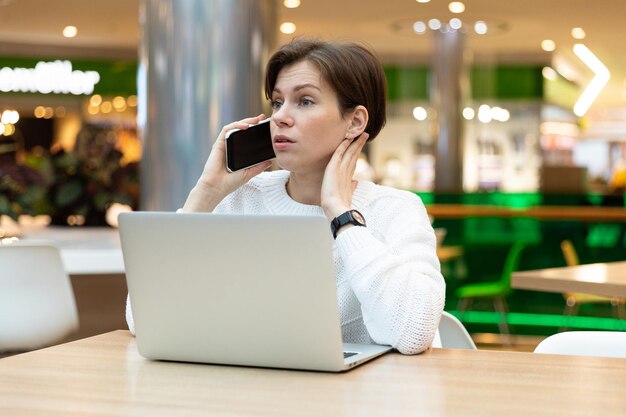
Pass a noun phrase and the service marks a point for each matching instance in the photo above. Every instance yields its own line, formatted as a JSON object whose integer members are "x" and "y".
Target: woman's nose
{"x": 282, "y": 117}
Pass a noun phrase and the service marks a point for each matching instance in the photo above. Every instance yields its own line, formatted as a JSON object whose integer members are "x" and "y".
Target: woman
{"x": 328, "y": 99}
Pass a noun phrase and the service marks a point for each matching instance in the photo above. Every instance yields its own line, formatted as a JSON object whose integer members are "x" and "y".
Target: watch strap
{"x": 349, "y": 217}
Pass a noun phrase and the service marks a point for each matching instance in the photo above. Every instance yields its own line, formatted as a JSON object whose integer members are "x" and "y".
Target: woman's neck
{"x": 305, "y": 189}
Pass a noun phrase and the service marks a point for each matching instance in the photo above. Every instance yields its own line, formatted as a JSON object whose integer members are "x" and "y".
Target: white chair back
{"x": 37, "y": 305}
{"x": 585, "y": 343}
{"x": 453, "y": 334}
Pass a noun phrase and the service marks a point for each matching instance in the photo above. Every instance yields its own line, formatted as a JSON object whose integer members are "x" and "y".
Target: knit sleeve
{"x": 129, "y": 316}
{"x": 394, "y": 272}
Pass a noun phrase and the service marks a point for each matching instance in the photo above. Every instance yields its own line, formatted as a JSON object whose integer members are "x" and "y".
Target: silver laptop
{"x": 251, "y": 290}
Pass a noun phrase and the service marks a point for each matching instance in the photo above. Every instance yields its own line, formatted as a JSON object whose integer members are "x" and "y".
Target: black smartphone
{"x": 246, "y": 148}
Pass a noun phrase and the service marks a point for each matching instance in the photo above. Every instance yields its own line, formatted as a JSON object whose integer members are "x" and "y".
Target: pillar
{"x": 201, "y": 66}
{"x": 447, "y": 90}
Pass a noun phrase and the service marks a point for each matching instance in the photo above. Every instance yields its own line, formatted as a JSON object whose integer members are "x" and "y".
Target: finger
{"x": 356, "y": 144}
{"x": 359, "y": 142}
{"x": 353, "y": 151}
{"x": 256, "y": 170}
{"x": 242, "y": 124}
{"x": 341, "y": 149}
{"x": 253, "y": 120}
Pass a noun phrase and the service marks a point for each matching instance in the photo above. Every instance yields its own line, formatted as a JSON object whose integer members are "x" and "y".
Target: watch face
{"x": 358, "y": 217}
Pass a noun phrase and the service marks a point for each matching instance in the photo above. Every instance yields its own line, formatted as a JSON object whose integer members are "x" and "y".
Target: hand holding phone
{"x": 249, "y": 147}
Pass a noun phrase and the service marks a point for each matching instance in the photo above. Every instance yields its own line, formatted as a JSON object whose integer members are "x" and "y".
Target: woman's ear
{"x": 358, "y": 122}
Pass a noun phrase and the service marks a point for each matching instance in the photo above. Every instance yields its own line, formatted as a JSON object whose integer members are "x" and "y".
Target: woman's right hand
{"x": 216, "y": 182}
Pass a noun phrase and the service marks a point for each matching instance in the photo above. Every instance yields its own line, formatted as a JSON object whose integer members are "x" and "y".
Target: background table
{"x": 580, "y": 213}
{"x": 104, "y": 375}
{"x": 92, "y": 257}
{"x": 607, "y": 279}
{"x": 84, "y": 250}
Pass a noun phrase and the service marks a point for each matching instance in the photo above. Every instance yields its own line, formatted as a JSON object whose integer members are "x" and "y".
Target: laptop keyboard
{"x": 348, "y": 354}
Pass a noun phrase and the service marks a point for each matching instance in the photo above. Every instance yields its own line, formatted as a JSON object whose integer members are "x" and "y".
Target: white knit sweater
{"x": 389, "y": 286}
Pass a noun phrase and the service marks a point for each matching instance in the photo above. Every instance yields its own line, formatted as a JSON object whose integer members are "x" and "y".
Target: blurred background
{"x": 492, "y": 103}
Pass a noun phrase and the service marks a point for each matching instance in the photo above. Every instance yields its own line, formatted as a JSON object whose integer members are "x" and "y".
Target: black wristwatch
{"x": 349, "y": 217}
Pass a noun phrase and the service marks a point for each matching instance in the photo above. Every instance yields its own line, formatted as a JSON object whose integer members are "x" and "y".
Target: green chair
{"x": 496, "y": 290}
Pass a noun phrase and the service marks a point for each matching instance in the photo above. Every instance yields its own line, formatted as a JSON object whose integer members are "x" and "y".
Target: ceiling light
{"x": 119, "y": 103}
{"x": 456, "y": 7}
{"x": 484, "y": 113}
{"x": 93, "y": 110}
{"x": 420, "y": 113}
{"x": 291, "y": 4}
{"x": 500, "y": 114}
{"x": 549, "y": 73}
{"x": 132, "y": 101}
{"x": 593, "y": 89}
{"x": 287, "y": 28}
{"x": 40, "y": 111}
{"x": 95, "y": 100}
{"x": 578, "y": 33}
{"x": 548, "y": 45}
{"x": 480, "y": 27}
{"x": 10, "y": 117}
{"x": 8, "y": 130}
{"x": 411, "y": 27}
{"x": 70, "y": 31}
{"x": 434, "y": 24}
{"x": 419, "y": 27}
{"x": 106, "y": 107}
{"x": 455, "y": 23}
{"x": 423, "y": 1}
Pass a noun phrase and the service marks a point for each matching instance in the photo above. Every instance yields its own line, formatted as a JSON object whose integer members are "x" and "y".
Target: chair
{"x": 586, "y": 343}
{"x": 496, "y": 290}
{"x": 574, "y": 300}
{"x": 37, "y": 305}
{"x": 453, "y": 334}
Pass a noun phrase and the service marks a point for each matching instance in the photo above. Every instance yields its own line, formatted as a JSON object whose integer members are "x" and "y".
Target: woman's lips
{"x": 282, "y": 138}
{"x": 282, "y": 142}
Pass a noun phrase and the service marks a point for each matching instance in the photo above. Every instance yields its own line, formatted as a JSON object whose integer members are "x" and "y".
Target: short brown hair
{"x": 353, "y": 71}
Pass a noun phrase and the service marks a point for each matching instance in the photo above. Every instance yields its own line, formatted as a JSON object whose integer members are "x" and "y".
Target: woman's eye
{"x": 276, "y": 104}
{"x": 306, "y": 102}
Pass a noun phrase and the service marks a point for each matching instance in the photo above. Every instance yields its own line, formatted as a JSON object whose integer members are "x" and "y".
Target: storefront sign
{"x": 55, "y": 77}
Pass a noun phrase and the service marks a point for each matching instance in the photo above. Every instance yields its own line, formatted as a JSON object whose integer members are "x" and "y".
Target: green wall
{"x": 502, "y": 82}
{"x": 507, "y": 82}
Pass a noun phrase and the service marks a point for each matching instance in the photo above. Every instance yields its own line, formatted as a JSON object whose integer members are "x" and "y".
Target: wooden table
{"x": 579, "y": 213}
{"x": 607, "y": 279}
{"x": 104, "y": 375}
